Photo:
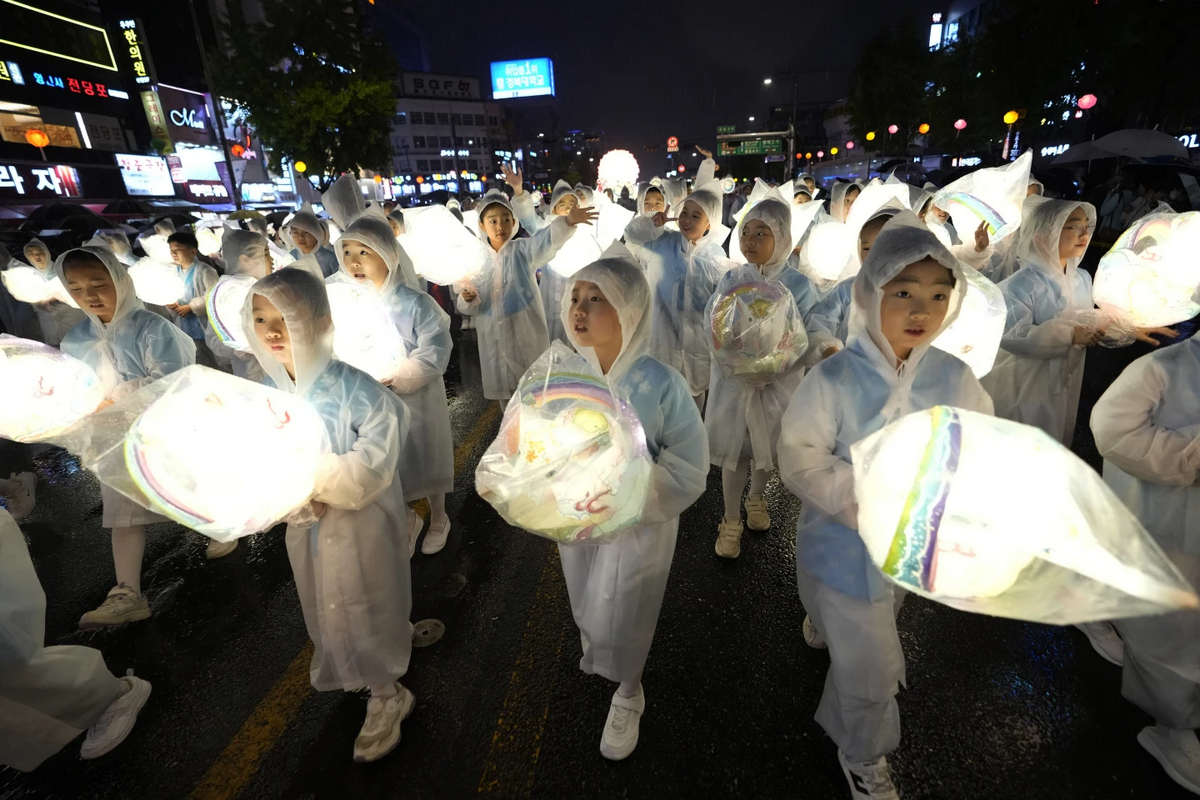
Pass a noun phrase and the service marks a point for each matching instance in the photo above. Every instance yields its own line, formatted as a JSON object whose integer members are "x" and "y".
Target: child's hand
{"x": 469, "y": 294}
{"x": 981, "y": 237}
{"x": 318, "y": 508}
{"x": 585, "y": 215}
{"x": 706, "y": 154}
{"x": 183, "y": 309}
{"x": 1146, "y": 335}
{"x": 1087, "y": 337}
{"x": 105, "y": 403}
{"x": 514, "y": 179}
{"x": 661, "y": 219}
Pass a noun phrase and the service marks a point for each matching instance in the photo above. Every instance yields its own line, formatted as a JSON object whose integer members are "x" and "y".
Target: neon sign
{"x": 138, "y": 51}
{"x": 76, "y": 85}
{"x": 30, "y": 28}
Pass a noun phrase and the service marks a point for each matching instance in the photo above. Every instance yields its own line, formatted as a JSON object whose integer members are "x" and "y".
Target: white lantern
{"x": 617, "y": 168}
{"x": 442, "y": 250}
{"x": 612, "y": 223}
{"x": 157, "y": 247}
{"x": 1151, "y": 276}
{"x": 156, "y": 282}
{"x": 27, "y": 284}
{"x": 995, "y": 517}
{"x": 209, "y": 239}
{"x": 224, "y": 304}
{"x": 993, "y": 195}
{"x": 364, "y": 335}
{"x": 45, "y": 390}
{"x": 975, "y": 336}
{"x": 828, "y": 249}
{"x": 577, "y": 253}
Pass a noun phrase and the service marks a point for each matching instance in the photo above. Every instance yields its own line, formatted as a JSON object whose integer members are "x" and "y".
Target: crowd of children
{"x": 640, "y": 316}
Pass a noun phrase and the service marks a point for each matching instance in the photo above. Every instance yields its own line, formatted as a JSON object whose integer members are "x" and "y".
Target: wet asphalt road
{"x": 993, "y": 708}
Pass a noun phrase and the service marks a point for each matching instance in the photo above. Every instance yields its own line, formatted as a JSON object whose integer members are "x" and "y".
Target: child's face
{"x": 938, "y": 214}
{"x": 565, "y": 204}
{"x": 848, "y": 201}
{"x": 256, "y": 261}
{"x": 363, "y": 264}
{"x": 38, "y": 257}
{"x": 693, "y": 222}
{"x": 593, "y": 319}
{"x": 867, "y": 236}
{"x": 304, "y": 240}
{"x": 497, "y": 223}
{"x": 581, "y": 197}
{"x": 92, "y": 289}
{"x": 182, "y": 255}
{"x": 812, "y": 184}
{"x": 272, "y": 332}
{"x": 757, "y": 242}
{"x": 396, "y": 229}
{"x": 801, "y": 198}
{"x": 1073, "y": 241}
{"x": 914, "y": 305}
{"x": 654, "y": 202}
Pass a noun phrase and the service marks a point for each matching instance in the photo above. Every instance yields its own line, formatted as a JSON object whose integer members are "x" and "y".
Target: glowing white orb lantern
{"x": 363, "y": 333}
{"x": 577, "y": 253}
{"x": 156, "y": 282}
{"x": 45, "y": 390}
{"x": 1151, "y": 276}
{"x": 157, "y": 247}
{"x": 617, "y": 168}
{"x": 975, "y": 336}
{"x": 993, "y": 195}
{"x": 224, "y": 305}
{"x": 934, "y": 522}
{"x": 828, "y": 249}
{"x": 29, "y": 285}
{"x": 209, "y": 239}
{"x": 442, "y": 250}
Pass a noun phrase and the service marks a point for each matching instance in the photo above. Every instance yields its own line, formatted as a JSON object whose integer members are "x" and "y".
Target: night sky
{"x": 641, "y": 74}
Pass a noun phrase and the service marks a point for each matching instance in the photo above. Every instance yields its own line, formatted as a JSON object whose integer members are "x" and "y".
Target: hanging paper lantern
{"x": 156, "y": 283}
{"x": 617, "y": 168}
{"x": 37, "y": 137}
{"x": 871, "y": 136}
{"x": 1010, "y": 117}
{"x": 570, "y": 461}
{"x": 923, "y": 128}
{"x": 1068, "y": 552}
{"x": 1151, "y": 275}
{"x": 960, "y": 124}
{"x": 1087, "y": 101}
{"x": 45, "y": 390}
{"x": 893, "y": 129}
{"x": 364, "y": 335}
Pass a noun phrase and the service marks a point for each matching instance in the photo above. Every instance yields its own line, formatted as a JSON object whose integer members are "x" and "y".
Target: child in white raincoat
{"x": 617, "y": 588}
{"x": 683, "y": 268}
{"x": 504, "y": 297}
{"x": 244, "y": 253}
{"x": 351, "y": 567}
{"x": 198, "y": 280}
{"x": 369, "y": 254}
{"x": 550, "y": 283}
{"x": 910, "y": 289}
{"x": 54, "y": 317}
{"x": 743, "y": 419}
{"x": 1147, "y": 427}
{"x": 309, "y": 237}
{"x": 128, "y": 347}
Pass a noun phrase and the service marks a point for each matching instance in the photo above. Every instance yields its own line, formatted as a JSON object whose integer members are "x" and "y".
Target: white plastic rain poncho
{"x": 48, "y": 695}
{"x": 617, "y": 588}
{"x": 550, "y": 283}
{"x": 743, "y": 419}
{"x": 1039, "y": 372}
{"x": 844, "y": 399}
{"x": 198, "y": 280}
{"x": 508, "y": 307}
{"x": 351, "y": 567}
{"x": 119, "y": 243}
{"x": 306, "y": 220}
{"x": 17, "y": 317}
{"x": 526, "y": 210}
{"x": 54, "y": 317}
{"x": 244, "y": 253}
{"x": 374, "y": 225}
{"x": 1147, "y": 427}
{"x": 344, "y": 201}
{"x": 837, "y": 198}
{"x": 427, "y": 455}
{"x": 682, "y": 278}
{"x": 646, "y": 187}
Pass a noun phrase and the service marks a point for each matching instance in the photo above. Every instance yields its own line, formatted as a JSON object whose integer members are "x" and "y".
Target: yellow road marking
{"x": 237, "y": 764}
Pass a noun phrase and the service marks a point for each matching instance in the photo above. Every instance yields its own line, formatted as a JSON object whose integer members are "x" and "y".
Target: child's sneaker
{"x": 1179, "y": 756}
{"x": 20, "y": 505}
{"x": 117, "y": 720}
{"x": 122, "y": 605}
{"x": 381, "y": 730}
{"x": 869, "y": 780}
{"x": 812, "y": 636}
{"x": 435, "y": 539}
{"x": 414, "y": 531}
{"x": 729, "y": 539}
{"x": 1105, "y": 641}
{"x": 757, "y": 518}
{"x": 219, "y": 549}
{"x": 621, "y": 727}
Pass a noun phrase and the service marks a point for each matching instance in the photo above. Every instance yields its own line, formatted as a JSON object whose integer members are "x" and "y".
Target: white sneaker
{"x": 435, "y": 539}
{"x": 219, "y": 549}
{"x": 729, "y": 539}
{"x": 1180, "y": 759}
{"x": 757, "y": 518}
{"x": 381, "y": 730}
{"x": 414, "y": 531}
{"x": 812, "y": 636}
{"x": 1105, "y": 641}
{"x": 869, "y": 780}
{"x": 117, "y": 720}
{"x": 20, "y": 505}
{"x": 621, "y": 728}
{"x": 122, "y": 605}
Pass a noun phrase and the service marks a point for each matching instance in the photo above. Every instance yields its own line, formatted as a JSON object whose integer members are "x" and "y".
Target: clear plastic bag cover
{"x": 993, "y": 195}
{"x": 156, "y": 282}
{"x": 442, "y": 250}
{"x": 364, "y": 336}
{"x": 45, "y": 390}
{"x": 756, "y": 329}
{"x": 1152, "y": 273}
{"x": 224, "y": 305}
{"x": 974, "y": 336}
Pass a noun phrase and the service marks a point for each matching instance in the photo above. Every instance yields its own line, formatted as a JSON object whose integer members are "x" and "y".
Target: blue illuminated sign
{"x": 532, "y": 77}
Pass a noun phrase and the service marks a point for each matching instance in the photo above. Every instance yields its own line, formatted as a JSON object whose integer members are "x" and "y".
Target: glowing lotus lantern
{"x": 157, "y": 247}
{"x": 1151, "y": 275}
{"x": 442, "y": 250}
{"x": 363, "y": 333}
{"x": 156, "y": 282}
{"x": 827, "y": 250}
{"x": 994, "y": 195}
{"x": 975, "y": 336}
{"x": 45, "y": 390}
{"x": 579, "y": 251}
{"x": 617, "y": 168}
{"x": 1087, "y": 101}
{"x": 209, "y": 239}
{"x": 224, "y": 305}
{"x": 1069, "y": 552}
{"x": 570, "y": 461}
{"x": 184, "y": 455}
{"x": 757, "y": 331}
{"x": 30, "y": 285}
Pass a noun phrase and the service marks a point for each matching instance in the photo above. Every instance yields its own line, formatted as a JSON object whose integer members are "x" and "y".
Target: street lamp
{"x": 766, "y": 81}
{"x": 752, "y": 119}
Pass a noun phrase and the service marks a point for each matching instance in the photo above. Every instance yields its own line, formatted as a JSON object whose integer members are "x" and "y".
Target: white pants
{"x": 858, "y": 705}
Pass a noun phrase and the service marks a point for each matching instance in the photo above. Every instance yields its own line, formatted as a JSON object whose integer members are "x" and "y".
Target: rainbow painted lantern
{"x": 993, "y": 195}
{"x": 756, "y": 329}
{"x": 1151, "y": 276}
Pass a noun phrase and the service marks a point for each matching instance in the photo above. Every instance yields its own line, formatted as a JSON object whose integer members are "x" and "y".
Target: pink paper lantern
{"x": 893, "y": 129}
{"x": 1087, "y": 101}
{"x": 960, "y": 124}
{"x": 849, "y": 145}
{"x": 820, "y": 154}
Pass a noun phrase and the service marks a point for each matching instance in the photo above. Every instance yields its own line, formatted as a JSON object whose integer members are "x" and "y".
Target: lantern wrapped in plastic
{"x": 993, "y": 195}
{"x": 45, "y": 390}
{"x": 363, "y": 333}
{"x": 208, "y": 239}
{"x": 828, "y": 250}
{"x": 156, "y": 247}
{"x": 611, "y": 225}
{"x": 757, "y": 330}
{"x": 577, "y": 253}
{"x": 224, "y": 305}
{"x": 156, "y": 282}
{"x": 570, "y": 461}
{"x": 192, "y": 446}
{"x": 1119, "y": 330}
{"x": 1151, "y": 276}
{"x": 30, "y": 285}
{"x": 975, "y": 336}
{"x": 442, "y": 250}
{"x": 991, "y": 516}
{"x": 471, "y": 221}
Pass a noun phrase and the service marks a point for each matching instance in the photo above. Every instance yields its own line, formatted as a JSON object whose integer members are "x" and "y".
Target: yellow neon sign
{"x": 112, "y": 65}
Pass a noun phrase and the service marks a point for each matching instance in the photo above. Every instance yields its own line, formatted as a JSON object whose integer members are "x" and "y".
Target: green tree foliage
{"x": 888, "y": 85}
{"x": 312, "y": 85}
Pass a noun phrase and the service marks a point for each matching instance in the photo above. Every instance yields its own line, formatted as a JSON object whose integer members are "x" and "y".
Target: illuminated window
{"x": 401, "y": 118}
